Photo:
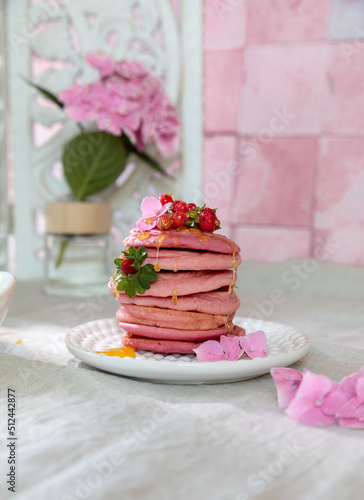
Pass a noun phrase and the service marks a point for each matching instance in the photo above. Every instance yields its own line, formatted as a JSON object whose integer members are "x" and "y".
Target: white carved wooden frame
{"x": 171, "y": 44}
{"x": 3, "y": 149}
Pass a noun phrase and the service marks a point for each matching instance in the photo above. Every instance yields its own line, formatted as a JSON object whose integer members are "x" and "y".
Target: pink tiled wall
{"x": 284, "y": 126}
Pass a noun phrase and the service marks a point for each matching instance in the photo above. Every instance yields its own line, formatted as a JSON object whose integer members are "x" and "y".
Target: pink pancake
{"x": 207, "y": 302}
{"x": 160, "y": 346}
{"x": 184, "y": 283}
{"x": 167, "y": 318}
{"x": 184, "y": 260}
{"x": 183, "y": 239}
{"x": 167, "y": 346}
{"x": 154, "y": 332}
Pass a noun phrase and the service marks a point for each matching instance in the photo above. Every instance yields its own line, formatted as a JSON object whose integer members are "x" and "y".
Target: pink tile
{"x": 344, "y": 102}
{"x": 275, "y": 182}
{"x": 287, "y": 20}
{"x": 339, "y": 217}
{"x": 224, "y": 25}
{"x": 283, "y": 80}
{"x": 219, "y": 178}
{"x": 272, "y": 244}
{"x": 223, "y": 71}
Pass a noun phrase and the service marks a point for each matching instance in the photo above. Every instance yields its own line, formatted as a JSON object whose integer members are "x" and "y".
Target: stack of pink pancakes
{"x": 193, "y": 299}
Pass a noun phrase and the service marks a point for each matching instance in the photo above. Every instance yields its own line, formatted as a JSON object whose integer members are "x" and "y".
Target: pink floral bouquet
{"x": 131, "y": 111}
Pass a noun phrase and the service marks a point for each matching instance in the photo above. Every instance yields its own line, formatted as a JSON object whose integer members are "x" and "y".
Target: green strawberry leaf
{"x": 130, "y": 288}
{"x": 118, "y": 262}
{"x": 143, "y": 282}
{"x": 141, "y": 255}
{"x": 122, "y": 284}
{"x": 132, "y": 252}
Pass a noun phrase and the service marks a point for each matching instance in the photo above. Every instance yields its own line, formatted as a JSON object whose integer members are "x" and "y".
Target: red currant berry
{"x": 179, "y": 219}
{"x": 181, "y": 206}
{"x": 207, "y": 220}
{"x": 164, "y": 222}
{"x": 175, "y": 204}
{"x": 126, "y": 266}
{"x": 166, "y": 198}
{"x": 191, "y": 207}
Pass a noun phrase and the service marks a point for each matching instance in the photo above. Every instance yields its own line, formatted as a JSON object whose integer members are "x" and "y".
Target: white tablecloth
{"x": 85, "y": 434}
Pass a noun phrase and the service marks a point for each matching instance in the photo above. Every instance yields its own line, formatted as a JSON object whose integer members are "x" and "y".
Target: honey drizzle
{"x": 175, "y": 241}
{"x": 121, "y": 352}
{"x": 116, "y": 294}
{"x": 160, "y": 239}
{"x": 174, "y": 296}
{"x": 143, "y": 235}
{"x": 234, "y": 247}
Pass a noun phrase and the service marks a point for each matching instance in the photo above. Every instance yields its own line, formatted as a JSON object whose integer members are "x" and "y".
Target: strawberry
{"x": 126, "y": 266}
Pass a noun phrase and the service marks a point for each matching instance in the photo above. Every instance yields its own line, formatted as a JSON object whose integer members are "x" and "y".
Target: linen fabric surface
{"x": 87, "y": 434}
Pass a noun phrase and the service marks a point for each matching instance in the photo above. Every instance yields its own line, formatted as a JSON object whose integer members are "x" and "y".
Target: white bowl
{"x": 7, "y": 288}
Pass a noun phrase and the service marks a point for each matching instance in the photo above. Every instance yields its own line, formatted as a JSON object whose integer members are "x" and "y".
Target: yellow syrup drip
{"x": 160, "y": 239}
{"x": 116, "y": 294}
{"x": 234, "y": 248}
{"x": 175, "y": 268}
{"x": 174, "y": 296}
{"x": 143, "y": 236}
{"x": 230, "y": 326}
{"x": 203, "y": 237}
{"x": 149, "y": 220}
{"x": 175, "y": 241}
{"x": 121, "y": 352}
{"x": 19, "y": 342}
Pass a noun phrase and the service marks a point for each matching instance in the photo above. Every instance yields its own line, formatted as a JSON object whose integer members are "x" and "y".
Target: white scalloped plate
{"x": 285, "y": 346}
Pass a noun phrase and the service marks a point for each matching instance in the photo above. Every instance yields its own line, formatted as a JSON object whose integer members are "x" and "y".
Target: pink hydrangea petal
{"x": 230, "y": 347}
{"x": 351, "y": 409}
{"x": 287, "y": 381}
{"x": 211, "y": 350}
{"x": 315, "y": 417}
{"x": 74, "y": 94}
{"x": 348, "y": 384}
{"x": 142, "y": 226}
{"x": 254, "y": 344}
{"x": 80, "y": 113}
{"x": 351, "y": 423}
{"x": 333, "y": 402}
{"x": 101, "y": 61}
{"x": 310, "y": 394}
{"x": 359, "y": 387}
{"x": 150, "y": 206}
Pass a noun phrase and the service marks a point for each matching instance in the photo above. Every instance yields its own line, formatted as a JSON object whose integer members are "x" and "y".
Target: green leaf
{"x": 130, "y": 288}
{"x": 148, "y": 273}
{"x": 141, "y": 255}
{"x": 144, "y": 282}
{"x": 118, "y": 262}
{"x": 132, "y": 252}
{"x": 122, "y": 284}
{"x": 44, "y": 92}
{"x": 93, "y": 161}
{"x": 143, "y": 156}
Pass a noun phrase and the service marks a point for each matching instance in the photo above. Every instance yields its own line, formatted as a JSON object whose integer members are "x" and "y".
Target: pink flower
{"x": 161, "y": 125}
{"x": 232, "y": 347}
{"x": 101, "y": 61}
{"x": 152, "y": 210}
{"x": 126, "y": 99}
{"x": 227, "y": 349}
{"x": 316, "y": 400}
{"x": 254, "y": 344}
{"x": 287, "y": 382}
{"x": 351, "y": 413}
